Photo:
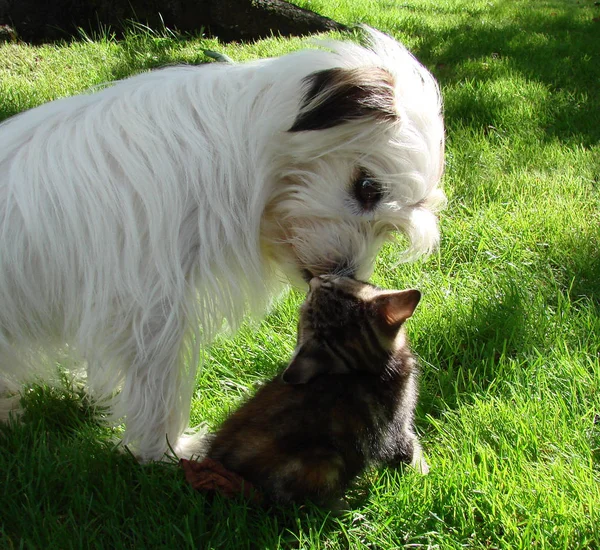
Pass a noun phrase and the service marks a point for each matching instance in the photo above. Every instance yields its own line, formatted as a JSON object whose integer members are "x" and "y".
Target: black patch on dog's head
{"x": 335, "y": 96}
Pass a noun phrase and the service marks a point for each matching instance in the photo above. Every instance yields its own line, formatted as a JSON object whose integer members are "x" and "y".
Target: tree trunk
{"x": 43, "y": 20}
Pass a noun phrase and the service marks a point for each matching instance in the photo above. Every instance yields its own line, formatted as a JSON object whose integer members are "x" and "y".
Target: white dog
{"x": 137, "y": 221}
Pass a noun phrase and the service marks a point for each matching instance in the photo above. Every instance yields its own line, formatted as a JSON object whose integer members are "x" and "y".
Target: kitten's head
{"x": 348, "y": 326}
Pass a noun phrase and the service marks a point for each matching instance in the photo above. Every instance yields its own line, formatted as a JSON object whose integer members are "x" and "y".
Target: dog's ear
{"x": 311, "y": 360}
{"x": 335, "y": 96}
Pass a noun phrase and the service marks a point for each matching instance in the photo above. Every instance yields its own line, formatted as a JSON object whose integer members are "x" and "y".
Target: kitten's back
{"x": 347, "y": 409}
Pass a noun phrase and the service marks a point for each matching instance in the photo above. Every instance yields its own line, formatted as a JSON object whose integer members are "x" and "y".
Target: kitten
{"x": 345, "y": 400}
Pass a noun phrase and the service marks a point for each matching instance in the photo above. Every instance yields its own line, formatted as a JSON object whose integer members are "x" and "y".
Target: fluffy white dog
{"x": 137, "y": 221}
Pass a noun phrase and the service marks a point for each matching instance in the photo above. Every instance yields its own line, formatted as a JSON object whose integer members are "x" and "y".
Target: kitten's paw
{"x": 418, "y": 462}
{"x": 421, "y": 466}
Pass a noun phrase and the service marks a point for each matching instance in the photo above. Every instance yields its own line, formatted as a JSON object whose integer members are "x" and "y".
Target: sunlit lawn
{"x": 507, "y": 332}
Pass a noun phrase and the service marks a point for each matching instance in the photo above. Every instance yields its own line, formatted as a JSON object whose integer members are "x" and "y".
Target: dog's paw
{"x": 194, "y": 443}
{"x": 10, "y": 407}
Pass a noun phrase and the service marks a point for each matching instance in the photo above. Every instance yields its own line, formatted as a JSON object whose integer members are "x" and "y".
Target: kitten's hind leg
{"x": 316, "y": 474}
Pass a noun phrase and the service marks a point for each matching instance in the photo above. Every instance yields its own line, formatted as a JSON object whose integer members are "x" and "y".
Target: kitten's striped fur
{"x": 346, "y": 399}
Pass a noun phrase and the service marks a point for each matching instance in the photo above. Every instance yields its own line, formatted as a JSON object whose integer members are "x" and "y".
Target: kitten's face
{"x": 348, "y": 326}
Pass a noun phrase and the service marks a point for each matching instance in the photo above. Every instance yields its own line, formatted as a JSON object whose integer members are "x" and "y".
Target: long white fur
{"x": 137, "y": 221}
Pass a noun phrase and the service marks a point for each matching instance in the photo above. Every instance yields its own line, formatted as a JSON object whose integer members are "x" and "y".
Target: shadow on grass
{"x": 140, "y": 49}
{"x": 487, "y": 341}
{"x": 578, "y": 271}
{"x": 143, "y": 49}
{"x": 467, "y": 354}
{"x": 59, "y": 470}
{"x": 594, "y": 436}
{"x": 554, "y": 45}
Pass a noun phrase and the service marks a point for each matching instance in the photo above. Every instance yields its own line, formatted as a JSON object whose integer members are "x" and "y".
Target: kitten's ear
{"x": 310, "y": 361}
{"x": 393, "y": 308}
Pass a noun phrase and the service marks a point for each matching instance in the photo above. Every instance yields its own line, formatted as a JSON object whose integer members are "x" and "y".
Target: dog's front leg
{"x": 156, "y": 394}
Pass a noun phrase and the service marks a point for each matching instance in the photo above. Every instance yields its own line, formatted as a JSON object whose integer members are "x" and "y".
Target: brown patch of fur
{"x": 335, "y": 96}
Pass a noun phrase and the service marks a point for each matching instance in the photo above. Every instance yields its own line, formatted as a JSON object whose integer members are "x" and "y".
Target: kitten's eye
{"x": 368, "y": 192}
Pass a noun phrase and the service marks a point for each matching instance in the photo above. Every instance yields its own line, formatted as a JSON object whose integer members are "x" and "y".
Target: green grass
{"x": 507, "y": 332}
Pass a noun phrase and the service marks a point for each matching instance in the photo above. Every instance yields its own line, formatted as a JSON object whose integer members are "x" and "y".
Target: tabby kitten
{"x": 345, "y": 400}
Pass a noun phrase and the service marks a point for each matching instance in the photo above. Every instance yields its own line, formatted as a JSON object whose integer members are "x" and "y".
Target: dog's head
{"x": 361, "y": 160}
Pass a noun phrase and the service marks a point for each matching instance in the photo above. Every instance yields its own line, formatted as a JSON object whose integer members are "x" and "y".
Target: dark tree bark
{"x": 44, "y": 20}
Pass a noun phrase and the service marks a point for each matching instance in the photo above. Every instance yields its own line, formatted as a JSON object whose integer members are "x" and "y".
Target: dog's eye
{"x": 368, "y": 192}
